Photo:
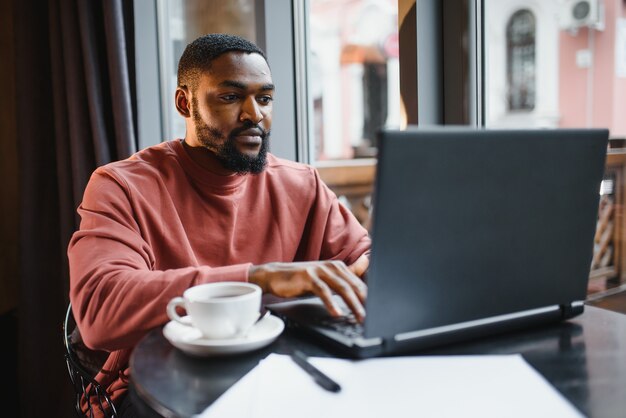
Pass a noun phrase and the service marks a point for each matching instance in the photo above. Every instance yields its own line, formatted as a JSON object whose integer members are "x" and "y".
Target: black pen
{"x": 319, "y": 377}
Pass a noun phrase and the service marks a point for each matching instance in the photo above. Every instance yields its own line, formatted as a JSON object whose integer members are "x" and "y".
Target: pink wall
{"x": 572, "y": 81}
{"x": 604, "y": 70}
{"x": 619, "y": 98}
{"x": 608, "y": 91}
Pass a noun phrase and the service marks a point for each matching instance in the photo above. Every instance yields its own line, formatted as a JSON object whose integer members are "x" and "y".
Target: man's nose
{"x": 251, "y": 111}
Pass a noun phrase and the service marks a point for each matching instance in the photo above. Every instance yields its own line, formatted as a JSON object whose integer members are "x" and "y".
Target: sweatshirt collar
{"x": 203, "y": 175}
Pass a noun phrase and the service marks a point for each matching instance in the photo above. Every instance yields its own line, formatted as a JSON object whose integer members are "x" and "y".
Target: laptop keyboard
{"x": 345, "y": 325}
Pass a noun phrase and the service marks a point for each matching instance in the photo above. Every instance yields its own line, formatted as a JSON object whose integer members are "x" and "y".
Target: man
{"x": 215, "y": 206}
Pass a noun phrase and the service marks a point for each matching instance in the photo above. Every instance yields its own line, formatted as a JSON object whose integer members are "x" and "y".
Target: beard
{"x": 225, "y": 147}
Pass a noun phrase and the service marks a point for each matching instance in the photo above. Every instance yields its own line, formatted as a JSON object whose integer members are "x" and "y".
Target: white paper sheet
{"x": 424, "y": 386}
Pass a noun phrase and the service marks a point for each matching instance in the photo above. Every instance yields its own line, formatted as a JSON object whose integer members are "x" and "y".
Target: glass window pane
{"x": 354, "y": 75}
{"x": 182, "y": 21}
{"x": 548, "y": 65}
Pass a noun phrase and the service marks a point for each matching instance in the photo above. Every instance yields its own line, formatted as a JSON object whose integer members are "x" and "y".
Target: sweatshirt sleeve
{"x": 332, "y": 229}
{"x": 116, "y": 294}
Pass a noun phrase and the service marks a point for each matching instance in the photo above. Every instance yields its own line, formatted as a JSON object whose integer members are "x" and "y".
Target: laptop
{"x": 474, "y": 232}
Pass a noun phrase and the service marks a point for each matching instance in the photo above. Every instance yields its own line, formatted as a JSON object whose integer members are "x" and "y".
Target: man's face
{"x": 232, "y": 111}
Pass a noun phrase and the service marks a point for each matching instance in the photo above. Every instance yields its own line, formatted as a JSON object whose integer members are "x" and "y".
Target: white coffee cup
{"x": 219, "y": 310}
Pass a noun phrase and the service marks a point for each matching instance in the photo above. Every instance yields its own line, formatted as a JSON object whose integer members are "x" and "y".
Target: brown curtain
{"x": 76, "y": 110}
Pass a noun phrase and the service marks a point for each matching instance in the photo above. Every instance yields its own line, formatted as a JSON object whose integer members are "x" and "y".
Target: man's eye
{"x": 265, "y": 99}
{"x": 230, "y": 97}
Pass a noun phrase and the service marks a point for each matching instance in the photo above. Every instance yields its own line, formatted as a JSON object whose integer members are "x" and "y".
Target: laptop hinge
{"x": 575, "y": 308}
{"x": 555, "y": 310}
{"x": 390, "y": 344}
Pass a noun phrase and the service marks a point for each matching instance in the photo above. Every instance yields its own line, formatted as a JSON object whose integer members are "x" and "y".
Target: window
{"x": 520, "y": 39}
{"x": 338, "y": 63}
{"x": 522, "y": 63}
{"x": 182, "y": 21}
{"x": 353, "y": 75}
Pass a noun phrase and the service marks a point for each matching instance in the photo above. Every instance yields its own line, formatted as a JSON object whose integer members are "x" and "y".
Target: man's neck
{"x": 206, "y": 159}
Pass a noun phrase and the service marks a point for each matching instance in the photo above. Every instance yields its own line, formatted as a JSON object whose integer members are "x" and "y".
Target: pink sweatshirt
{"x": 157, "y": 223}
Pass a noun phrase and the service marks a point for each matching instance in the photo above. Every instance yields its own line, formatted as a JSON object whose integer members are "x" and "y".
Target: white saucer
{"x": 191, "y": 341}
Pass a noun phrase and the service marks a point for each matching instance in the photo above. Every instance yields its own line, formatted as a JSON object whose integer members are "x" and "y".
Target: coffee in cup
{"x": 219, "y": 310}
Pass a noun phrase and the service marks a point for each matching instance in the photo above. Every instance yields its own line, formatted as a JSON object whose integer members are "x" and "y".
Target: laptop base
{"x": 303, "y": 316}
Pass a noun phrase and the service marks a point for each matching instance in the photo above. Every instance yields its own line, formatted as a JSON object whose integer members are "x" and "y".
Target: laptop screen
{"x": 471, "y": 223}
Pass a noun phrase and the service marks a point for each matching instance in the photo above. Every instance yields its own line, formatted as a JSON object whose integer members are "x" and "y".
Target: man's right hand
{"x": 318, "y": 277}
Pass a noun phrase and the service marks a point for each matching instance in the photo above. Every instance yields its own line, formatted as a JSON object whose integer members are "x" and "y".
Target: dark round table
{"x": 583, "y": 358}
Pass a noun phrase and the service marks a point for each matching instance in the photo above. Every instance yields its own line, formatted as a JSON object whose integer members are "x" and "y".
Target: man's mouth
{"x": 250, "y": 137}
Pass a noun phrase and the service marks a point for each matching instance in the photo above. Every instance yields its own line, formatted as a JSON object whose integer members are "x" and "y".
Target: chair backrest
{"x": 82, "y": 366}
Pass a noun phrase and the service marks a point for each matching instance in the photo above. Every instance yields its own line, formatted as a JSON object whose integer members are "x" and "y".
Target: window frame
{"x": 282, "y": 31}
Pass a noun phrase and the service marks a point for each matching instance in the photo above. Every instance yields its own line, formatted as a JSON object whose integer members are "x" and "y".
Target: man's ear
{"x": 182, "y": 99}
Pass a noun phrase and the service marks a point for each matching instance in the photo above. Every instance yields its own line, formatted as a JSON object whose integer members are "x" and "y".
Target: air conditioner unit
{"x": 576, "y": 14}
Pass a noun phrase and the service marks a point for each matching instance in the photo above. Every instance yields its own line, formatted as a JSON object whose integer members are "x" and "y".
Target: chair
{"x": 82, "y": 365}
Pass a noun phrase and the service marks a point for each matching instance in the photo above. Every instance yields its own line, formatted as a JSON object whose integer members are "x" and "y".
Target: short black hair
{"x": 199, "y": 55}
